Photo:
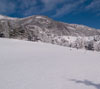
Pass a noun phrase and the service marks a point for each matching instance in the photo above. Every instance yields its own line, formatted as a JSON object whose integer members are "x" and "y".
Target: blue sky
{"x": 85, "y": 12}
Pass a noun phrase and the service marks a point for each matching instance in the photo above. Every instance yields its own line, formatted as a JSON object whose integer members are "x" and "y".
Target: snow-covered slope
{"x": 28, "y": 65}
{"x": 45, "y": 29}
{"x": 7, "y": 18}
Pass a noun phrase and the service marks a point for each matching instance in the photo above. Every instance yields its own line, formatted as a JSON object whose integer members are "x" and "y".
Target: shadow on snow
{"x": 86, "y": 82}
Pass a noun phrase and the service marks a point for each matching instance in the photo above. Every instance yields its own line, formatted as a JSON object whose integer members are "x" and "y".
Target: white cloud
{"x": 24, "y": 4}
{"x": 94, "y": 6}
{"x": 51, "y": 4}
{"x": 31, "y": 7}
{"x": 6, "y": 7}
{"x": 68, "y": 8}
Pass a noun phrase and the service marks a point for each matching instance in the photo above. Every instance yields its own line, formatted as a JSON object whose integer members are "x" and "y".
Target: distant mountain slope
{"x": 42, "y": 28}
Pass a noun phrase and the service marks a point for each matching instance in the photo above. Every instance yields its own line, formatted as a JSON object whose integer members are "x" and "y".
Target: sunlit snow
{"x": 35, "y": 65}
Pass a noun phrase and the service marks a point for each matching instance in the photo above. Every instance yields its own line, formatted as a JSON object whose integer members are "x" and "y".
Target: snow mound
{"x": 28, "y": 65}
{"x": 40, "y": 17}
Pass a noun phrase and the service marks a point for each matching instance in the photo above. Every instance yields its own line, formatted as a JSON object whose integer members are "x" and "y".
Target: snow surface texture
{"x": 28, "y": 65}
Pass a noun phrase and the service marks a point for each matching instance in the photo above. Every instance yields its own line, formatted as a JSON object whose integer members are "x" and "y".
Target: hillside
{"x": 44, "y": 29}
{"x": 28, "y": 65}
